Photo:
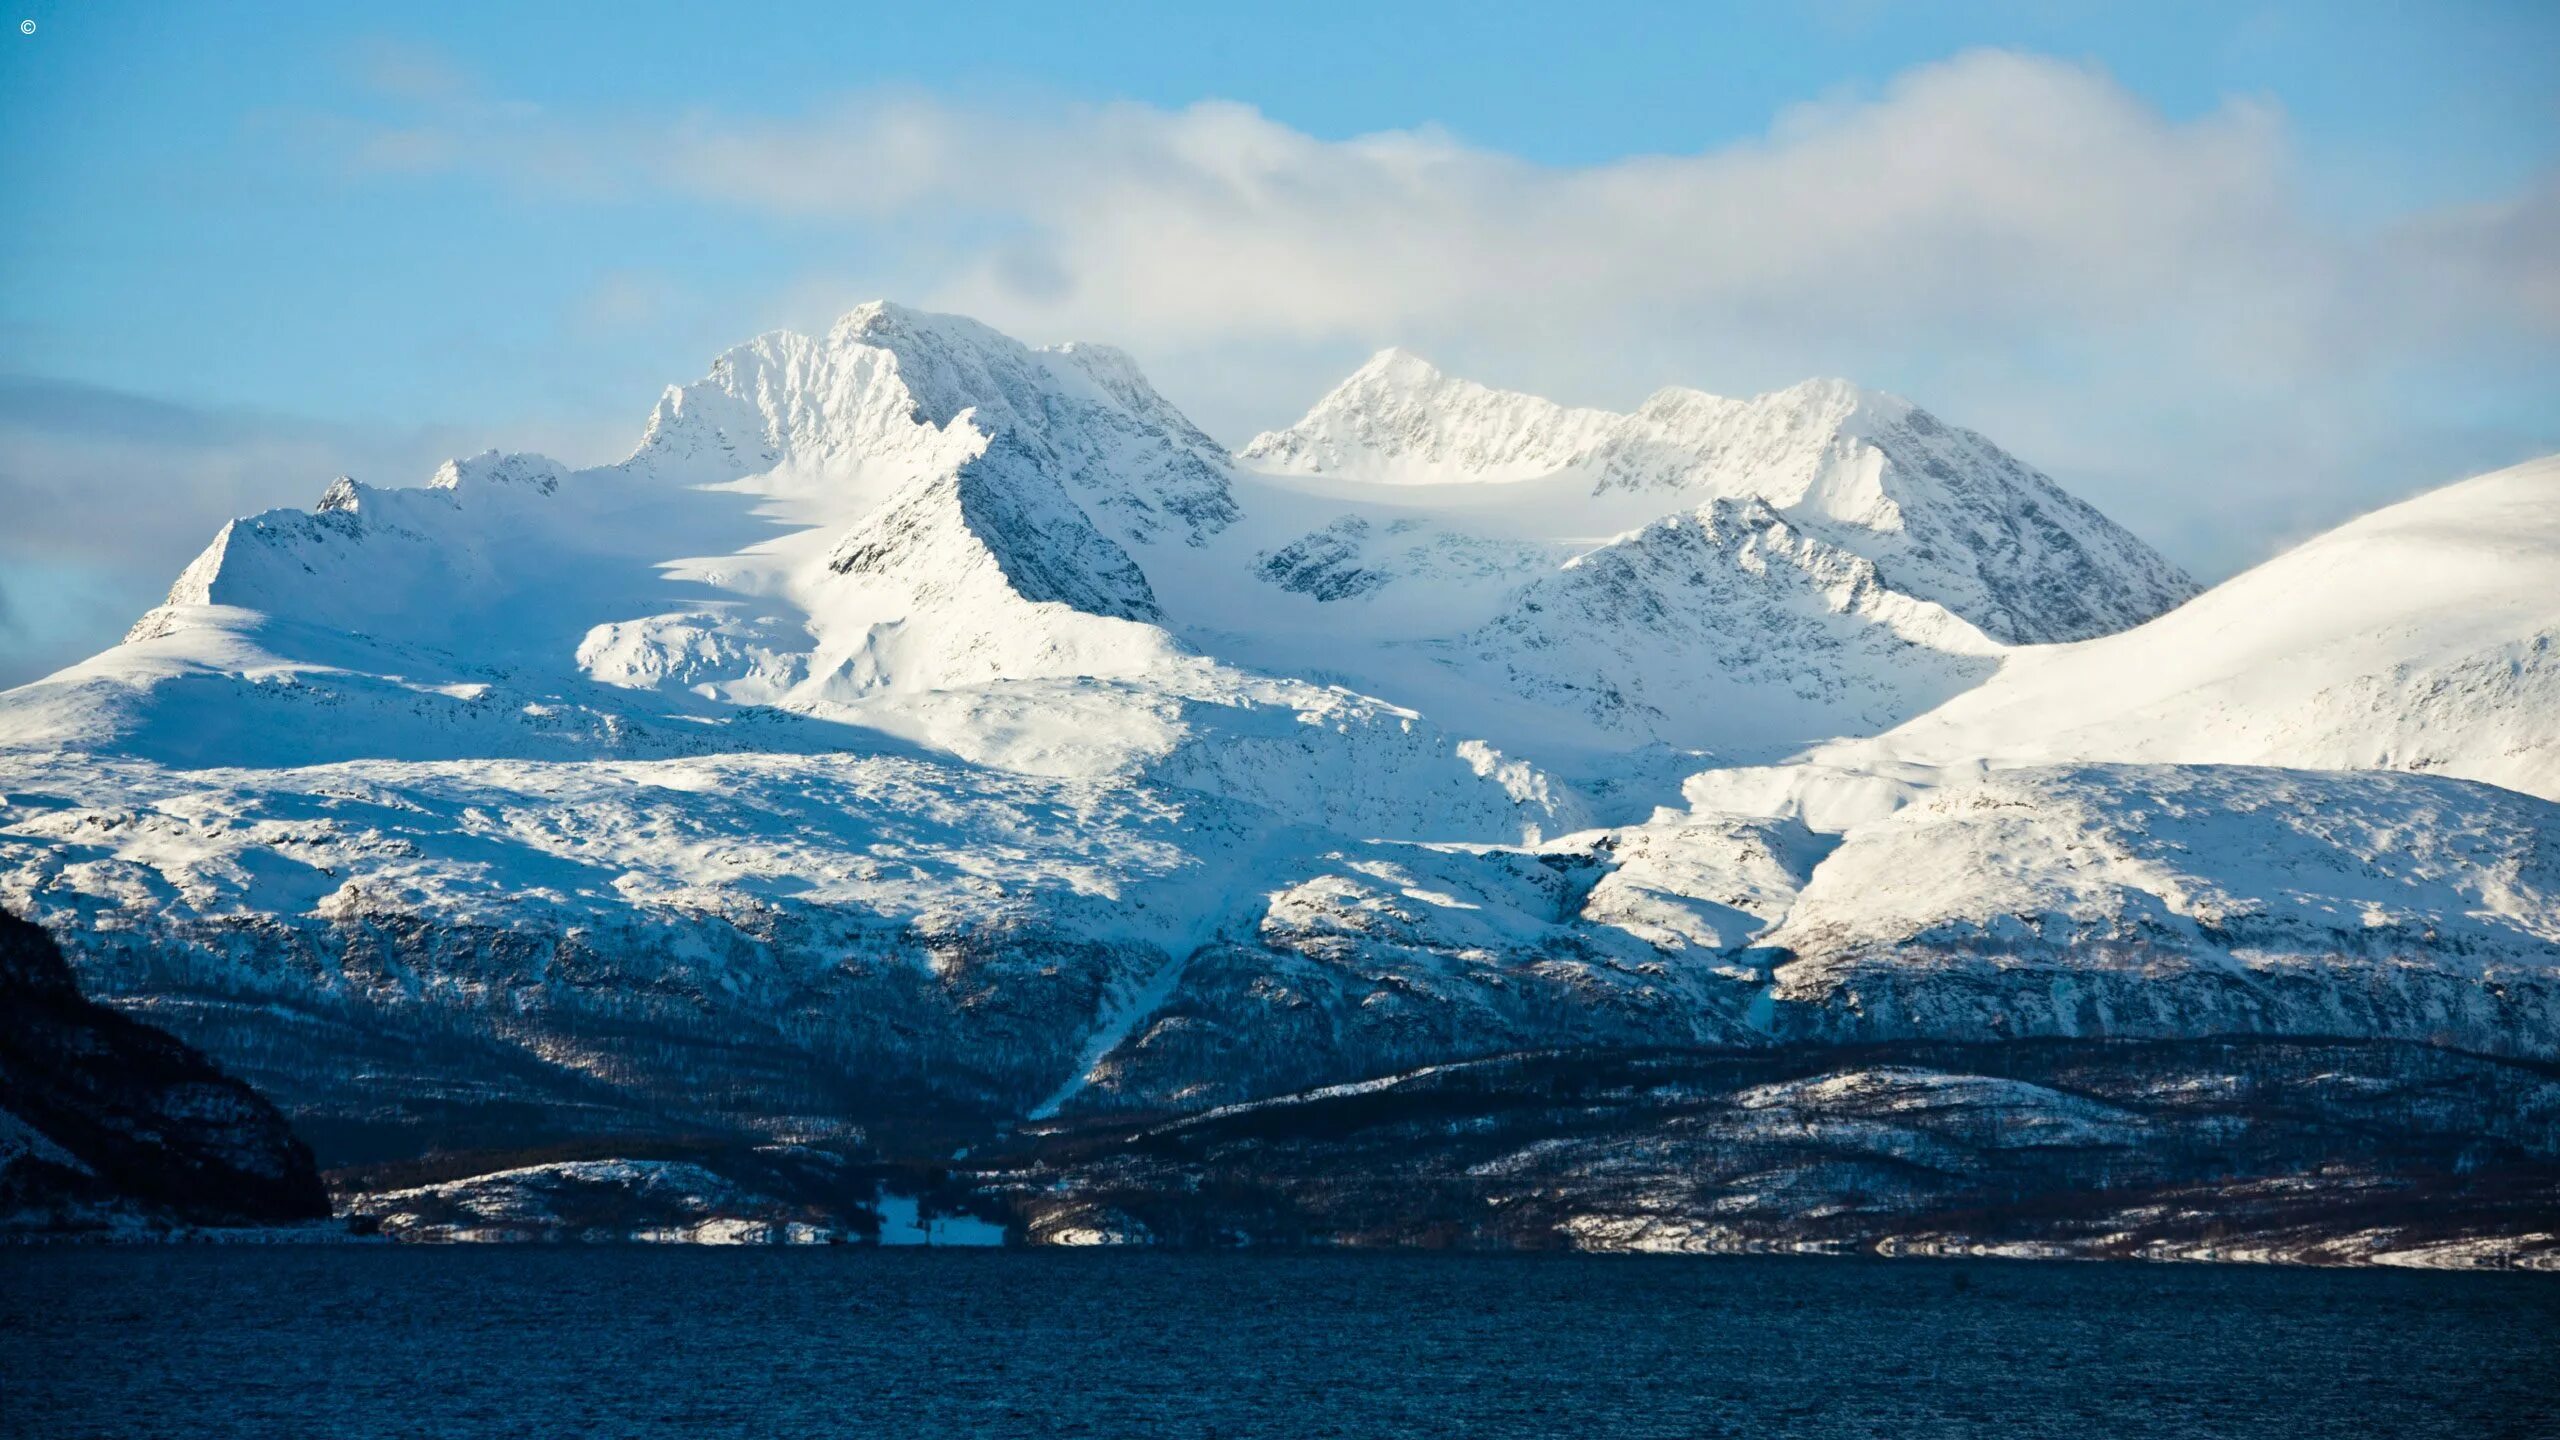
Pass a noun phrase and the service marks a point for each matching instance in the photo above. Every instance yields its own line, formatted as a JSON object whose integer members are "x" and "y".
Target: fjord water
{"x": 272, "y": 1341}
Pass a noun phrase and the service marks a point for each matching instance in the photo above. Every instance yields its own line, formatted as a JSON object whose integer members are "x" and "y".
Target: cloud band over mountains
{"x": 1994, "y": 199}
{"x": 2173, "y": 314}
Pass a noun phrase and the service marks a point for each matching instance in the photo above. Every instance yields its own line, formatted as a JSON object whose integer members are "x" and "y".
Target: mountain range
{"x": 925, "y": 735}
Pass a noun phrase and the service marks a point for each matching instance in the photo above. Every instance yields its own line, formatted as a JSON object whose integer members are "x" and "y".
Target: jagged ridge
{"x": 1947, "y": 516}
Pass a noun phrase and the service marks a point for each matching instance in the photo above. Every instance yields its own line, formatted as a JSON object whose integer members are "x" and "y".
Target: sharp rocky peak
{"x": 927, "y": 390}
{"x": 1400, "y": 410}
{"x": 538, "y": 473}
{"x": 1945, "y": 514}
{"x": 1396, "y": 365}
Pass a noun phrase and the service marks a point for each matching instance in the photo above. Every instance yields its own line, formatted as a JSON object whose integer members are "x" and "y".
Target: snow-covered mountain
{"x": 1944, "y": 514}
{"x": 1731, "y": 616}
{"x": 918, "y": 722}
{"x": 2424, "y": 636}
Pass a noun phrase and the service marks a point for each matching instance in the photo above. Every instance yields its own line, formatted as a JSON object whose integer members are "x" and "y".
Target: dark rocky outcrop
{"x": 107, "y": 1123}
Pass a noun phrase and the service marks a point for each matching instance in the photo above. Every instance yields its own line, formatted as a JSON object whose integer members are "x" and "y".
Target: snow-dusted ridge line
{"x": 1946, "y": 514}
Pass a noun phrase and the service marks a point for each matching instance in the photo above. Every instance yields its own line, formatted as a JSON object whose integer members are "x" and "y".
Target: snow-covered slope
{"x": 918, "y": 721}
{"x": 1945, "y": 515}
{"x": 2424, "y": 636}
{"x": 905, "y": 469}
{"x": 1732, "y": 623}
{"x": 2178, "y": 900}
{"x": 819, "y": 520}
{"x": 1462, "y": 576}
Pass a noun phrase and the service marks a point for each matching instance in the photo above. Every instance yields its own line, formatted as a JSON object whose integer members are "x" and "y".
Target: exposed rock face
{"x": 1324, "y": 563}
{"x": 106, "y": 1122}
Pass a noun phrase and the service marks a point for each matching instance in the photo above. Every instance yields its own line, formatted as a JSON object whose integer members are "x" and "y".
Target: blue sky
{"x": 2234, "y": 272}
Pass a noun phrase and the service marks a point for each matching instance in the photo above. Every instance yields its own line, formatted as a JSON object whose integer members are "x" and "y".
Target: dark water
{"x": 639, "y": 1342}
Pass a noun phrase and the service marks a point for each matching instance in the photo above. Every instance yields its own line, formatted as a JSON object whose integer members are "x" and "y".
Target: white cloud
{"x": 1993, "y": 198}
{"x": 2149, "y": 306}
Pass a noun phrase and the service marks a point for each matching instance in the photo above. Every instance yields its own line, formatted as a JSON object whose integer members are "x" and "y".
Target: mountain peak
{"x": 880, "y": 372}
{"x": 1847, "y": 405}
{"x": 538, "y": 473}
{"x": 1825, "y": 390}
{"x": 876, "y": 314}
{"x": 1398, "y": 365}
{"x": 906, "y": 330}
{"x": 917, "y": 391}
{"x": 1944, "y": 514}
{"x": 1400, "y": 419}
{"x": 2420, "y": 636}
